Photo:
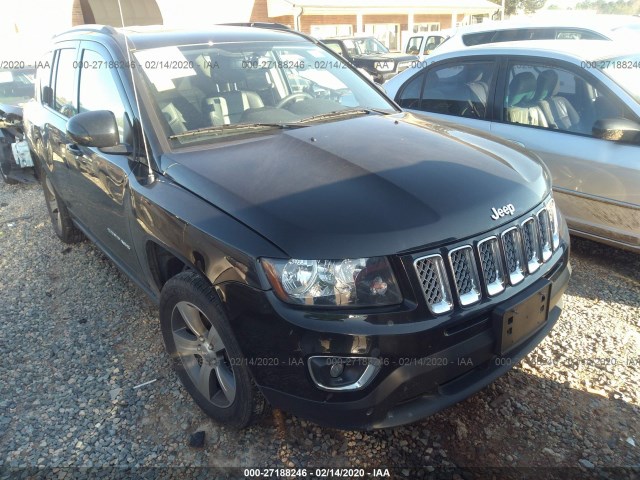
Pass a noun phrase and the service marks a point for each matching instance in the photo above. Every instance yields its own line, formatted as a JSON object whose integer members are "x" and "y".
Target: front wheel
{"x": 60, "y": 218}
{"x": 205, "y": 353}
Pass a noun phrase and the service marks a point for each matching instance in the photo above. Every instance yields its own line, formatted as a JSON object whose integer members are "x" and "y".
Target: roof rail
{"x": 274, "y": 26}
{"x": 89, "y": 27}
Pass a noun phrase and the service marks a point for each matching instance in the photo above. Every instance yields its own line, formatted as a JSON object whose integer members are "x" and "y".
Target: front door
{"x": 101, "y": 180}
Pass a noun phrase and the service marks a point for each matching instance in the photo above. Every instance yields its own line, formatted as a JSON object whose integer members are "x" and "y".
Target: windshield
{"x": 369, "y": 46}
{"x": 217, "y": 90}
{"x": 625, "y": 71}
{"x": 16, "y": 86}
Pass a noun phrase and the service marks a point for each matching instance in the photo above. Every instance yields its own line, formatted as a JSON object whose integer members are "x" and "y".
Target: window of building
{"x": 327, "y": 31}
{"x": 387, "y": 33}
{"x": 426, "y": 27}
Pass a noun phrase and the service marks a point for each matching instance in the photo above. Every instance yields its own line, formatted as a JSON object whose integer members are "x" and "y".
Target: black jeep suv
{"x": 306, "y": 241}
{"x": 372, "y": 56}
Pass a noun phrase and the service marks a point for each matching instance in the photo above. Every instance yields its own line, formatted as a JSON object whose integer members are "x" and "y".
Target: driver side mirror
{"x": 97, "y": 129}
{"x": 617, "y": 130}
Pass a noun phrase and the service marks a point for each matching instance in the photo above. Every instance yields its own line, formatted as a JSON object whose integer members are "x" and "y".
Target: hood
{"x": 365, "y": 186}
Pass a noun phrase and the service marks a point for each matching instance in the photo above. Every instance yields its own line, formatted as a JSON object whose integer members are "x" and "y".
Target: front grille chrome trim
{"x": 435, "y": 285}
{"x": 512, "y": 249}
{"x": 465, "y": 275}
{"x": 492, "y": 265}
{"x": 546, "y": 241}
{"x": 531, "y": 244}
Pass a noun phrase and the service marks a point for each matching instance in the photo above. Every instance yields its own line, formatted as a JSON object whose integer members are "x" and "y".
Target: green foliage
{"x": 511, "y": 7}
{"x": 624, "y": 7}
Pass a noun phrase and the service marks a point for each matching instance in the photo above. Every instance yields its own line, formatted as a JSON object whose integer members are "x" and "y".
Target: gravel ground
{"x": 77, "y": 337}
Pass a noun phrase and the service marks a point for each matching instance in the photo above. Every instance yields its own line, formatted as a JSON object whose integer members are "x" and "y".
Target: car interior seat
{"x": 520, "y": 107}
{"x": 230, "y": 99}
{"x": 564, "y": 115}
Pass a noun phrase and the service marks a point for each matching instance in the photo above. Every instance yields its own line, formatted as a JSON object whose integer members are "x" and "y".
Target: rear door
{"x": 100, "y": 180}
{"x": 595, "y": 181}
{"x": 64, "y": 104}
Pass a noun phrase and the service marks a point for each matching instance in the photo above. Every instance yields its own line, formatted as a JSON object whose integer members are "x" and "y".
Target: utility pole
{"x": 502, "y": 11}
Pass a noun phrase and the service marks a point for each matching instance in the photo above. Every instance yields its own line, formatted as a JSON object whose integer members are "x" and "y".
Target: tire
{"x": 205, "y": 353}
{"x": 5, "y": 165}
{"x": 60, "y": 218}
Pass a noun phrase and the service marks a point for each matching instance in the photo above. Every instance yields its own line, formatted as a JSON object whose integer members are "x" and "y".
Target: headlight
{"x": 386, "y": 66}
{"x": 356, "y": 282}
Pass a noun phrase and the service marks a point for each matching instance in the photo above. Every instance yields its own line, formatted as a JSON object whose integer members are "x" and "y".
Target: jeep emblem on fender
{"x": 501, "y": 212}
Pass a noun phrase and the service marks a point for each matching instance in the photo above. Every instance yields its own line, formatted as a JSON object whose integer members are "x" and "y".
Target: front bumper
{"x": 429, "y": 363}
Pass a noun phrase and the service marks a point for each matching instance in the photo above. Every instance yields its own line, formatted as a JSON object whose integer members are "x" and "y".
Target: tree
{"x": 512, "y": 7}
{"x": 623, "y": 7}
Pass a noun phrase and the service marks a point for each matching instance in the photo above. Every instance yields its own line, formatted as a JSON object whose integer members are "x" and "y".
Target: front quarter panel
{"x": 197, "y": 233}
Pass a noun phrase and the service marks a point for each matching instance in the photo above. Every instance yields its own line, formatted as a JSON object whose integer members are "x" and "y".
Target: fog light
{"x": 343, "y": 373}
{"x": 336, "y": 370}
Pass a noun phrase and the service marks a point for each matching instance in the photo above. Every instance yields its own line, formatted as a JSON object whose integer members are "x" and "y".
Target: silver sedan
{"x": 574, "y": 103}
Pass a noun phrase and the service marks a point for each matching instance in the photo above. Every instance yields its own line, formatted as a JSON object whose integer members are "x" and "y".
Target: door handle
{"x": 520, "y": 144}
{"x": 74, "y": 150}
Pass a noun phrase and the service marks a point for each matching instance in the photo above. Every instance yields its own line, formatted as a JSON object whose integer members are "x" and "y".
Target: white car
{"x": 579, "y": 27}
{"x": 577, "y": 108}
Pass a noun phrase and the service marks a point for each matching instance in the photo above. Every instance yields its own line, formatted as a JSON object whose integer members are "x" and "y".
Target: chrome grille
{"x": 518, "y": 251}
{"x": 435, "y": 286}
{"x": 465, "y": 275}
{"x": 512, "y": 245}
{"x": 531, "y": 248}
{"x": 491, "y": 264}
{"x": 545, "y": 234}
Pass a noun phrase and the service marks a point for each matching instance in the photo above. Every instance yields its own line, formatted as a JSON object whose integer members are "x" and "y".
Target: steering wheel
{"x": 291, "y": 97}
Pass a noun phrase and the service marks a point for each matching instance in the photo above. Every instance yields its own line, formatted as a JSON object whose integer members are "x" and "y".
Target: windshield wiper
{"x": 344, "y": 113}
{"x": 234, "y": 128}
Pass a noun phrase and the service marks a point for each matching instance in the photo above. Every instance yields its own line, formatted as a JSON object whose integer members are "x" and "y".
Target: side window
{"x": 335, "y": 47}
{"x": 98, "y": 90}
{"x": 65, "y": 86}
{"x": 461, "y": 90}
{"x": 555, "y": 98}
{"x": 43, "y": 78}
{"x": 410, "y": 95}
{"x": 413, "y": 47}
{"x": 577, "y": 34}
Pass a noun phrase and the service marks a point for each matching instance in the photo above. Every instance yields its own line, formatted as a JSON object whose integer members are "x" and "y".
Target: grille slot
{"x": 531, "y": 244}
{"x": 434, "y": 283}
{"x": 465, "y": 275}
{"x": 492, "y": 266}
{"x": 512, "y": 246}
{"x": 545, "y": 234}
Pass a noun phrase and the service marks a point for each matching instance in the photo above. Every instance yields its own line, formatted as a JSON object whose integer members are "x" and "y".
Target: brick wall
{"x": 307, "y": 20}
{"x": 261, "y": 14}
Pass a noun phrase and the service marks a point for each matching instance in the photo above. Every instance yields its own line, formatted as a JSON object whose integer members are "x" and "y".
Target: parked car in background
{"x": 592, "y": 27}
{"x": 422, "y": 44}
{"x": 16, "y": 88}
{"x": 307, "y": 242}
{"x": 577, "y": 108}
{"x": 370, "y": 55}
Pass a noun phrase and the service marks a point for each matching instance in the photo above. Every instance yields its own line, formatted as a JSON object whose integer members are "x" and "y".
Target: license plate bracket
{"x": 517, "y": 319}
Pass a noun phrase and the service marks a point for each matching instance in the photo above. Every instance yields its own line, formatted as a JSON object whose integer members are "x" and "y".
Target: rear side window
{"x": 65, "y": 87}
{"x": 43, "y": 77}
